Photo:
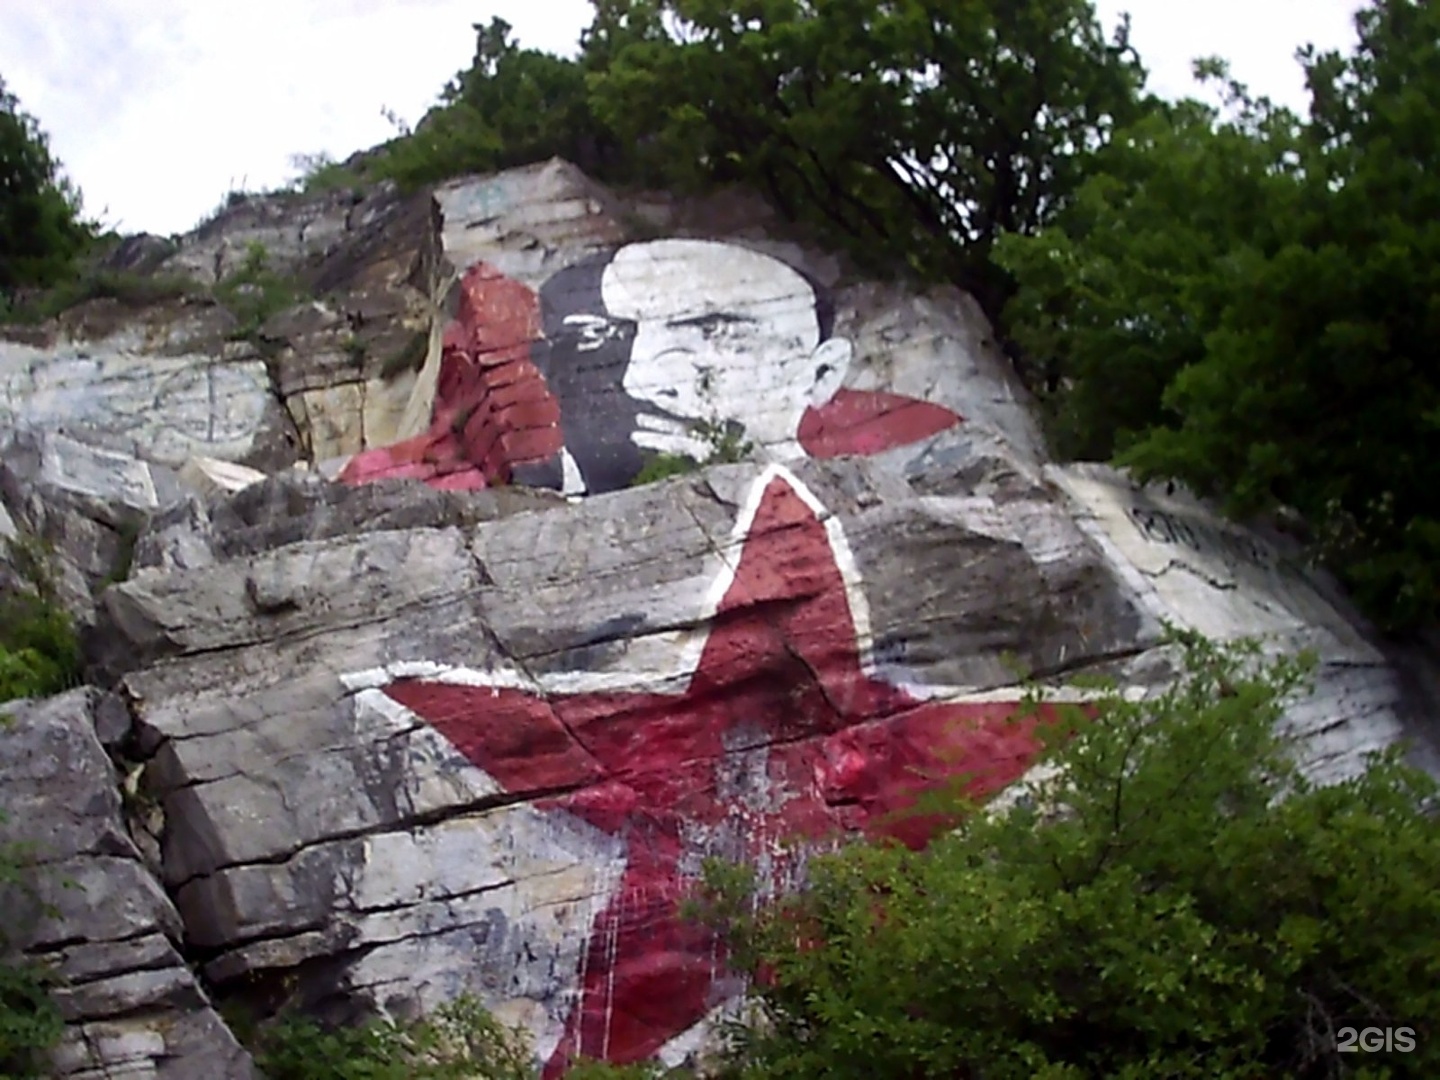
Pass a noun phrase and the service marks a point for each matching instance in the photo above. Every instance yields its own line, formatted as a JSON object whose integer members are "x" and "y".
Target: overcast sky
{"x": 159, "y": 107}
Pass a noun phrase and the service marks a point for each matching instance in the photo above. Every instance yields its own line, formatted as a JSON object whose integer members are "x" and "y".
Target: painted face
{"x": 722, "y": 334}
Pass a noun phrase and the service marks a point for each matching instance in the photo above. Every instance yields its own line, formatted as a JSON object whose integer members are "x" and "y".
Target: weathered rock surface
{"x": 97, "y": 914}
{"x": 477, "y": 733}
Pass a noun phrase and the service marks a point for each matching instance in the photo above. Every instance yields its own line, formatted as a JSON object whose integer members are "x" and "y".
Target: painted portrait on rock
{"x": 670, "y": 347}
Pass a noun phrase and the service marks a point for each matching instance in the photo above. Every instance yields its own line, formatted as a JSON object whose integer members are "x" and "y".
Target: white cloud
{"x": 1258, "y": 37}
{"x": 158, "y": 107}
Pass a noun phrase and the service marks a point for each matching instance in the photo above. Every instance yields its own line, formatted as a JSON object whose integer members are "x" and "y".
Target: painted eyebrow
{"x": 718, "y": 318}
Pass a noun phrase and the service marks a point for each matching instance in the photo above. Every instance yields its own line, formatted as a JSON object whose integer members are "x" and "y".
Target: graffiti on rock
{"x": 633, "y": 353}
{"x": 781, "y": 731}
{"x": 1201, "y": 536}
{"x": 159, "y": 408}
{"x": 481, "y": 201}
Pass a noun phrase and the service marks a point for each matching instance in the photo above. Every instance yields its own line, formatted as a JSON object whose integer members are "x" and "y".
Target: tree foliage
{"x": 913, "y": 132}
{"x": 1248, "y": 302}
{"x": 511, "y": 107}
{"x": 1117, "y": 297}
{"x": 39, "y": 649}
{"x": 40, "y": 227}
{"x": 1174, "y": 900}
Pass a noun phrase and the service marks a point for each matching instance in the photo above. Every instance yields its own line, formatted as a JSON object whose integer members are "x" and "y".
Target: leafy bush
{"x": 460, "y": 1041}
{"x": 128, "y": 288}
{"x": 726, "y": 444}
{"x": 39, "y": 649}
{"x": 254, "y": 293}
{"x": 1177, "y": 900}
{"x": 663, "y": 466}
{"x": 30, "y": 1021}
{"x": 320, "y": 172}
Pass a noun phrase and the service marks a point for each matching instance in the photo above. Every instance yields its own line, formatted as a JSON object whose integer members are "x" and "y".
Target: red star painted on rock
{"x": 779, "y": 684}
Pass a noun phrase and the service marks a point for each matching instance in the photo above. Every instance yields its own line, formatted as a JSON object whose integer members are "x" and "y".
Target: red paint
{"x": 869, "y": 421}
{"x": 492, "y": 408}
{"x": 494, "y": 411}
{"x": 781, "y": 669}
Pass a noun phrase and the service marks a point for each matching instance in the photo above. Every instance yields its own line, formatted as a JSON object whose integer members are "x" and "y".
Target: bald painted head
{"x": 645, "y": 342}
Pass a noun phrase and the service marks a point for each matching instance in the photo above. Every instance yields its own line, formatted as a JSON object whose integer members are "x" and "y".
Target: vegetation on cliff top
{"x": 1249, "y": 302}
{"x": 1226, "y": 294}
{"x": 1222, "y": 293}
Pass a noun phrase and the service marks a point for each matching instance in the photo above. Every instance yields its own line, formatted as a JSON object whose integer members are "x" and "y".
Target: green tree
{"x": 914, "y": 132}
{"x": 511, "y": 107}
{"x": 1174, "y": 900}
{"x": 1284, "y": 344}
{"x": 1117, "y": 297}
{"x": 40, "y": 227}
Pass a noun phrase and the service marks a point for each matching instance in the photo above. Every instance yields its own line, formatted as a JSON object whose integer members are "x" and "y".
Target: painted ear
{"x": 831, "y": 361}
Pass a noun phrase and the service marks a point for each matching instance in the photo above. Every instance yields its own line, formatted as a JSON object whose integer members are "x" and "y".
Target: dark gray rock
{"x": 133, "y": 1006}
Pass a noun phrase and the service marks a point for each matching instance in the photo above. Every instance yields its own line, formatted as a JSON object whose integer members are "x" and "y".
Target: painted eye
{"x": 591, "y": 332}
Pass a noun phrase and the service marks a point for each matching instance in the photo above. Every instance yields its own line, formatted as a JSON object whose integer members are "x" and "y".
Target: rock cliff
{"x": 409, "y": 683}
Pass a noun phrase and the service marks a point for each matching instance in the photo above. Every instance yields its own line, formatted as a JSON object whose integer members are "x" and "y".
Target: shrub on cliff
{"x": 30, "y": 1020}
{"x": 459, "y": 1041}
{"x": 1176, "y": 901}
{"x": 39, "y": 649}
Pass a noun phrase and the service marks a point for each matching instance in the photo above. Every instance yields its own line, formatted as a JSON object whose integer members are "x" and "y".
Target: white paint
{"x": 571, "y": 933}
{"x": 416, "y": 901}
{"x": 722, "y": 332}
{"x": 1214, "y": 592}
{"x": 162, "y": 409}
{"x": 1354, "y": 708}
{"x": 940, "y": 348}
{"x": 685, "y": 647}
{"x": 572, "y": 483}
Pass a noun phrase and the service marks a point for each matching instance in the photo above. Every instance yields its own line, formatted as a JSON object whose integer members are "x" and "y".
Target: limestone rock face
{"x": 452, "y": 700}
{"x": 97, "y": 913}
